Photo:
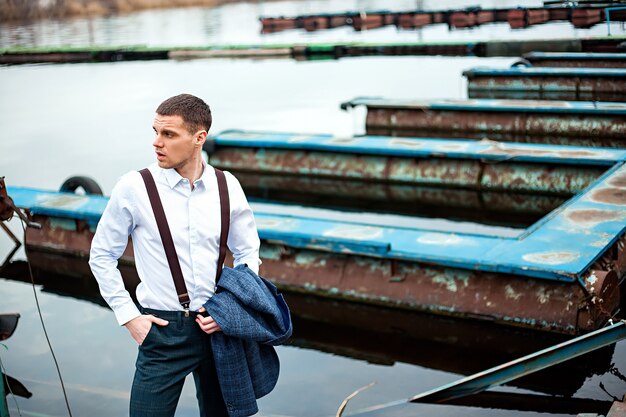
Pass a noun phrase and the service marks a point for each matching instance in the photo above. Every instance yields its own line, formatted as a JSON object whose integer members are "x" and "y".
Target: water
{"x": 334, "y": 351}
{"x": 95, "y": 120}
{"x": 239, "y": 24}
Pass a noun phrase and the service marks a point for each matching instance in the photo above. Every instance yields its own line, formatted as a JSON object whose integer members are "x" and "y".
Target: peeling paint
{"x": 65, "y": 224}
{"x": 452, "y": 147}
{"x": 63, "y": 201}
{"x": 589, "y": 217}
{"x": 512, "y": 150}
{"x": 356, "y": 232}
{"x": 406, "y": 143}
{"x": 610, "y": 195}
{"x": 309, "y": 258}
{"x": 599, "y": 243}
{"x": 618, "y": 181}
{"x": 374, "y": 265}
{"x": 510, "y": 293}
{"x": 551, "y": 258}
{"x": 591, "y": 279}
{"x": 451, "y": 282}
{"x": 439, "y": 239}
{"x": 272, "y": 252}
{"x": 299, "y": 138}
{"x": 342, "y": 141}
{"x": 276, "y": 223}
{"x": 543, "y": 296}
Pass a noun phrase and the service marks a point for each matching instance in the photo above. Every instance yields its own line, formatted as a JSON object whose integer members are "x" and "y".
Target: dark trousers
{"x": 167, "y": 355}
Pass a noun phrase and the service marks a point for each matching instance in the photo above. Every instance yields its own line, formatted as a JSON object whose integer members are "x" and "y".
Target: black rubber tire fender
{"x": 90, "y": 186}
{"x": 522, "y": 62}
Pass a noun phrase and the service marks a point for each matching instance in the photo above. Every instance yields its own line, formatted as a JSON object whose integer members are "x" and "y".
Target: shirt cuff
{"x": 253, "y": 263}
{"x": 126, "y": 312}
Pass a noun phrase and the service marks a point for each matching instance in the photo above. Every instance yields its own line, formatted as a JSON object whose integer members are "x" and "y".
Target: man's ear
{"x": 200, "y": 137}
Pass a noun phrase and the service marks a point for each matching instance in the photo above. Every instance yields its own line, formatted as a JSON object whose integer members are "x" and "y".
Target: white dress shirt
{"x": 194, "y": 220}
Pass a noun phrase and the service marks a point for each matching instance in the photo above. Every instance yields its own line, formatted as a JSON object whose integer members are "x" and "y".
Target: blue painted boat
{"x": 496, "y": 106}
{"x": 591, "y": 123}
{"x": 577, "y": 59}
{"x": 546, "y": 72}
{"x": 552, "y": 276}
{"x": 547, "y": 83}
{"x": 494, "y": 183}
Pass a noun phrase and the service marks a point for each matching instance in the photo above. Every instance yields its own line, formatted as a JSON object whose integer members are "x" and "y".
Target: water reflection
{"x": 238, "y": 23}
{"x": 336, "y": 346}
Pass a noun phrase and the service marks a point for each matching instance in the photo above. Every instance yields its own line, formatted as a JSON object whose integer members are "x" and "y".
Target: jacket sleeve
{"x": 250, "y": 308}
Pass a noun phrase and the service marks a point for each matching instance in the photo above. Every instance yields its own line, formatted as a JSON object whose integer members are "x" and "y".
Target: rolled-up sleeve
{"x": 108, "y": 245}
{"x": 243, "y": 237}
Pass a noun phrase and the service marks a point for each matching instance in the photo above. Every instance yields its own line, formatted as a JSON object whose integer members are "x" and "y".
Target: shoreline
{"x": 27, "y": 11}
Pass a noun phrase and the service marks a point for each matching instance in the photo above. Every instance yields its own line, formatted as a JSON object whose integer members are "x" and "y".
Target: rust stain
{"x": 599, "y": 243}
{"x": 512, "y": 151}
{"x": 69, "y": 202}
{"x": 593, "y": 216}
{"x": 619, "y": 180}
{"x": 406, "y": 142}
{"x": 551, "y": 257}
{"x": 610, "y": 195}
{"x": 342, "y": 141}
{"x": 532, "y": 103}
{"x": 452, "y": 147}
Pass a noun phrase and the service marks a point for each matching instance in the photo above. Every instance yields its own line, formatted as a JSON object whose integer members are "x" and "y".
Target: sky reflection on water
{"x": 238, "y": 23}
{"x": 97, "y": 356}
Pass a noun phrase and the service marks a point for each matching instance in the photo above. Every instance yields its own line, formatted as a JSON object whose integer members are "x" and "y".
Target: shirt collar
{"x": 172, "y": 177}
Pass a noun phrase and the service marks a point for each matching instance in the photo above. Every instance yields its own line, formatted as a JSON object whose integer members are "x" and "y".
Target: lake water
{"x": 95, "y": 120}
{"x": 239, "y": 24}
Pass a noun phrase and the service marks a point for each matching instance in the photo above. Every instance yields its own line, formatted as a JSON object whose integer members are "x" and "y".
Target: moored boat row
{"x": 560, "y": 271}
{"x": 517, "y": 18}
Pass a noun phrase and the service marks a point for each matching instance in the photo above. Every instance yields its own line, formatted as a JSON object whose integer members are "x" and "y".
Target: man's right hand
{"x": 140, "y": 326}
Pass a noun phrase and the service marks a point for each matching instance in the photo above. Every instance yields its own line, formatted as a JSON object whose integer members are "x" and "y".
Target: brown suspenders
{"x": 166, "y": 235}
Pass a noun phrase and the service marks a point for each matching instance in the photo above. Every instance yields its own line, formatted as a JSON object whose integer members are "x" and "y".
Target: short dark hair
{"x": 195, "y": 113}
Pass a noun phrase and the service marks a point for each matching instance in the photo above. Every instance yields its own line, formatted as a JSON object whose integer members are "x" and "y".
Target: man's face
{"x": 174, "y": 144}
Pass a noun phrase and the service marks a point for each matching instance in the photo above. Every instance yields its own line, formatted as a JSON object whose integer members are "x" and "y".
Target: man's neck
{"x": 192, "y": 170}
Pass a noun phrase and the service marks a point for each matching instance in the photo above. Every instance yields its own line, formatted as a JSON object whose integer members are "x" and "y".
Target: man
{"x": 172, "y": 342}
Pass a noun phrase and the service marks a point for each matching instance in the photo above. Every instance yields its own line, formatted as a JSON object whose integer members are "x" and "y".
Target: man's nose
{"x": 157, "y": 143}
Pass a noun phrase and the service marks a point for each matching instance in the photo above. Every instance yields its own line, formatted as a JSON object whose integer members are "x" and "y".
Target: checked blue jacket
{"x": 254, "y": 317}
